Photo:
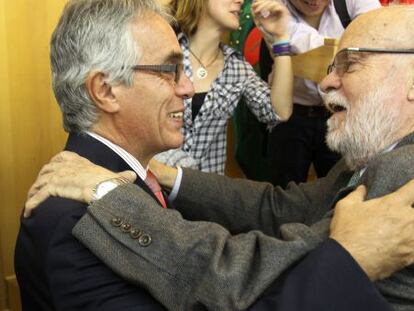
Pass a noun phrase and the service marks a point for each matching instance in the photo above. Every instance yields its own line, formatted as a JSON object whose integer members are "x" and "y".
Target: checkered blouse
{"x": 205, "y": 139}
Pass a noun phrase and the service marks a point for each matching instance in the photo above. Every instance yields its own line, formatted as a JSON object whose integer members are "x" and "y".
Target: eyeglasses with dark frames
{"x": 342, "y": 60}
{"x": 175, "y": 69}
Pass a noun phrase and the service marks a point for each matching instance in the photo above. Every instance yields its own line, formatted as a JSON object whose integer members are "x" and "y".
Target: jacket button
{"x": 116, "y": 221}
{"x": 135, "y": 233}
{"x": 125, "y": 228}
{"x": 144, "y": 240}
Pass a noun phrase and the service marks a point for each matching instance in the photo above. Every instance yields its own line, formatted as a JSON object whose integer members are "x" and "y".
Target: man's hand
{"x": 378, "y": 233}
{"x": 165, "y": 174}
{"x": 70, "y": 176}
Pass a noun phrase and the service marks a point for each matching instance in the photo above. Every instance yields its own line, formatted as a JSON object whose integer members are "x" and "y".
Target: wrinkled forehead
{"x": 383, "y": 28}
{"x": 366, "y": 35}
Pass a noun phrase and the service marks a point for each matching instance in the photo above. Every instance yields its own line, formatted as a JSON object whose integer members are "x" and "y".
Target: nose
{"x": 184, "y": 87}
{"x": 331, "y": 82}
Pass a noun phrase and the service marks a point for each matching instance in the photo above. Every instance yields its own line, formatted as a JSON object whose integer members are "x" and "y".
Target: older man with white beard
{"x": 263, "y": 232}
{"x": 378, "y": 119}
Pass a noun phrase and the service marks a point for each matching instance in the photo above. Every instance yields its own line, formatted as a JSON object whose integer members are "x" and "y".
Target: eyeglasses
{"x": 174, "y": 69}
{"x": 344, "y": 58}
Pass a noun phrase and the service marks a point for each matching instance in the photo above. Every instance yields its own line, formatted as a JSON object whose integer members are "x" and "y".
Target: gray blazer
{"x": 255, "y": 232}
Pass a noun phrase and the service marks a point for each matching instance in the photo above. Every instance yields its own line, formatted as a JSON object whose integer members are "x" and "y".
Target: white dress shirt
{"x": 135, "y": 165}
{"x": 304, "y": 37}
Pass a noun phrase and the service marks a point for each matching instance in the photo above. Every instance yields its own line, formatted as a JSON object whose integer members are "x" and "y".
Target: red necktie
{"x": 155, "y": 187}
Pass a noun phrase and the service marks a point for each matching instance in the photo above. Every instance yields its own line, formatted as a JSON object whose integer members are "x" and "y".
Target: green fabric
{"x": 250, "y": 134}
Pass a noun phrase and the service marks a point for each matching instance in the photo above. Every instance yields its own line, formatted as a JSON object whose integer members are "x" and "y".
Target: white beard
{"x": 370, "y": 125}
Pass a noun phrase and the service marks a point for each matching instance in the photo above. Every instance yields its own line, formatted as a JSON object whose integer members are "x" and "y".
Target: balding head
{"x": 389, "y": 27}
{"x": 371, "y": 92}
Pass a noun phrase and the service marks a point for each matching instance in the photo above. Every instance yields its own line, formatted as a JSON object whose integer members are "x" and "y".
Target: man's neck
{"x": 124, "y": 141}
{"x": 135, "y": 163}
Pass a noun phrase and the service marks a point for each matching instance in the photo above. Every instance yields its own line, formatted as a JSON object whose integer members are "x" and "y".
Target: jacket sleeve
{"x": 80, "y": 281}
{"x": 241, "y": 205}
{"x": 186, "y": 265}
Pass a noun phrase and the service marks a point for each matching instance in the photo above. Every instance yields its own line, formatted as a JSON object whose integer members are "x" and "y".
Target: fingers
{"x": 404, "y": 195}
{"x": 37, "y": 198}
{"x": 64, "y": 156}
{"x": 71, "y": 176}
{"x": 130, "y": 175}
{"x": 47, "y": 168}
{"x": 35, "y": 188}
{"x": 262, "y": 6}
{"x": 47, "y": 171}
{"x": 358, "y": 195}
{"x": 271, "y": 17}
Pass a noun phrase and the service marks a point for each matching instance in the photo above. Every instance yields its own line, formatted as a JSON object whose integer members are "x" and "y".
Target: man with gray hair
{"x": 117, "y": 76}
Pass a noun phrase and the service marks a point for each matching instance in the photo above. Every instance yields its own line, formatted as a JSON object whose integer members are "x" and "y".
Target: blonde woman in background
{"x": 222, "y": 77}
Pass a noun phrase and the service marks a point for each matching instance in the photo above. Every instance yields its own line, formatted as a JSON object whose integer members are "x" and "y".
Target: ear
{"x": 101, "y": 92}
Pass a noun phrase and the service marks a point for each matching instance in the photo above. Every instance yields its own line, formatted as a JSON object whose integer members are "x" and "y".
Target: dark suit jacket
{"x": 54, "y": 270}
{"x": 263, "y": 238}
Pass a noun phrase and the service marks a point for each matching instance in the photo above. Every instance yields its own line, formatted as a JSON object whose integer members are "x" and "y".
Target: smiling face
{"x": 310, "y": 8}
{"x": 151, "y": 110}
{"x": 225, "y": 13}
{"x": 368, "y": 94}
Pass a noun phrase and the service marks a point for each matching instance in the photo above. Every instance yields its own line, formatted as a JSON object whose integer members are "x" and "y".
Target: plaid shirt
{"x": 205, "y": 139}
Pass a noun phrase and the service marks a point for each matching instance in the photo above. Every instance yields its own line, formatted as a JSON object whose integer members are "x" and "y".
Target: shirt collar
{"x": 135, "y": 165}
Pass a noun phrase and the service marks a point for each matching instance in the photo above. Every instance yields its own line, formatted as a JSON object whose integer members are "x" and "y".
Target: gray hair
{"x": 93, "y": 35}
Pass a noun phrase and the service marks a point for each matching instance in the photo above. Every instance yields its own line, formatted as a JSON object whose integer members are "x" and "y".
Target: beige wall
{"x": 30, "y": 122}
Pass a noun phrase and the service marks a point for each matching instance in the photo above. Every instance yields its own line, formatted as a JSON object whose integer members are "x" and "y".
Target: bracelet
{"x": 281, "y": 48}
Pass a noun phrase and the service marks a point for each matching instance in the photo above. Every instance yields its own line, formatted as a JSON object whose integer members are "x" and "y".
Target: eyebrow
{"x": 173, "y": 57}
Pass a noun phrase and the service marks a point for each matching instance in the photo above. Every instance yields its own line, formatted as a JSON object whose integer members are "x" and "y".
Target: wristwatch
{"x": 106, "y": 186}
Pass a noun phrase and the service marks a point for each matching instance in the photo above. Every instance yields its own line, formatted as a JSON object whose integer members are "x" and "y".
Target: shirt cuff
{"x": 177, "y": 185}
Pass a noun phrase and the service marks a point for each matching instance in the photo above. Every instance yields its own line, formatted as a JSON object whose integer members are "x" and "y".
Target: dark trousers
{"x": 297, "y": 143}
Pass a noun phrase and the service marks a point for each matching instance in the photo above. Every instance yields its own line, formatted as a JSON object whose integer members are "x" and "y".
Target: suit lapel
{"x": 341, "y": 183}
